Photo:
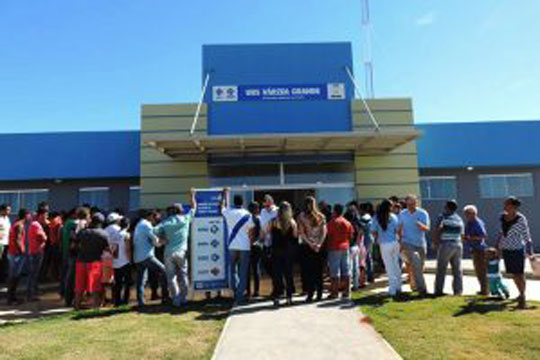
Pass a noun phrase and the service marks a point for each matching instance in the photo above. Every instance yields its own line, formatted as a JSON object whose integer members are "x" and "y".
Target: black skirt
{"x": 514, "y": 261}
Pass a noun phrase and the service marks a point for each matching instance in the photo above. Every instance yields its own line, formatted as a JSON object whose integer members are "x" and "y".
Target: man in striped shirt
{"x": 448, "y": 238}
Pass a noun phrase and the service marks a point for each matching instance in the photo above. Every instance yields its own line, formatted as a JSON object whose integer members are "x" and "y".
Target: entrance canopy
{"x": 178, "y": 144}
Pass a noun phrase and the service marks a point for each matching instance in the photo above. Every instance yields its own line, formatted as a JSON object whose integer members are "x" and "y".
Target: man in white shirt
{"x": 239, "y": 223}
{"x": 268, "y": 213}
{"x": 5, "y": 226}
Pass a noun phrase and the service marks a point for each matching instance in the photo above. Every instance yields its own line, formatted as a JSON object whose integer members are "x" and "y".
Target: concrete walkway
{"x": 325, "y": 330}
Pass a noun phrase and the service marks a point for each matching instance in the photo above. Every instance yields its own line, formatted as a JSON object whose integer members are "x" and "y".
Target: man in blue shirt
{"x": 475, "y": 240}
{"x": 414, "y": 223}
{"x": 144, "y": 242}
{"x": 174, "y": 230}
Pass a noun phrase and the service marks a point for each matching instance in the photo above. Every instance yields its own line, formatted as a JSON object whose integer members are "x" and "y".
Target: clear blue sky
{"x": 88, "y": 65}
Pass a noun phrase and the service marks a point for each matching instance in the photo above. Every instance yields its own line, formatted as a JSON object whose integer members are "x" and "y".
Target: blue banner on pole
{"x": 209, "y": 253}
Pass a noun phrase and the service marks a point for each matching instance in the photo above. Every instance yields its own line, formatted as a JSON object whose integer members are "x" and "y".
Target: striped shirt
{"x": 517, "y": 236}
{"x": 452, "y": 227}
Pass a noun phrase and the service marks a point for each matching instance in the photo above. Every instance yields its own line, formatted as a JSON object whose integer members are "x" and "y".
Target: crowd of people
{"x": 89, "y": 253}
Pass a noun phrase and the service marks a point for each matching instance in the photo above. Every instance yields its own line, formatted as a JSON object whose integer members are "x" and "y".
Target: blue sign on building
{"x": 330, "y": 91}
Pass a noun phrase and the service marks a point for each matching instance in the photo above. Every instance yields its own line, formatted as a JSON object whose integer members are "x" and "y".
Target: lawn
{"x": 454, "y": 327}
{"x": 118, "y": 334}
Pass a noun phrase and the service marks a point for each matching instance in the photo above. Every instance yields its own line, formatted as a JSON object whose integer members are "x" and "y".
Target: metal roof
{"x": 178, "y": 144}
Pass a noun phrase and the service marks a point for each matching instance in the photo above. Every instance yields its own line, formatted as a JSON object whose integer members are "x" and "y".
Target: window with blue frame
{"x": 500, "y": 186}
{"x": 134, "y": 198}
{"x": 438, "y": 187}
{"x": 94, "y": 196}
{"x": 24, "y": 199}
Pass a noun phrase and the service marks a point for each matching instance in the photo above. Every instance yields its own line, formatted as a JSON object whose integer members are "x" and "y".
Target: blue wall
{"x": 278, "y": 64}
{"x": 479, "y": 144}
{"x": 70, "y": 155}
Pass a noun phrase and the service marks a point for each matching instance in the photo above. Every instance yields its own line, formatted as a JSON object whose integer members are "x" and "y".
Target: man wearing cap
{"x": 174, "y": 230}
{"x": 113, "y": 227}
{"x": 91, "y": 243}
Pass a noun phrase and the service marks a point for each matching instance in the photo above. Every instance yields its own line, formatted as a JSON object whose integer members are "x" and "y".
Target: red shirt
{"x": 36, "y": 238}
{"x": 340, "y": 232}
{"x": 54, "y": 230}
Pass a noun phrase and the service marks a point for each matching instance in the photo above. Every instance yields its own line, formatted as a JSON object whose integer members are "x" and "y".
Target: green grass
{"x": 118, "y": 334}
{"x": 455, "y": 327}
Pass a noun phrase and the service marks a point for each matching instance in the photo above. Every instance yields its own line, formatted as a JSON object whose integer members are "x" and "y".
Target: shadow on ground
{"x": 485, "y": 305}
{"x": 208, "y": 309}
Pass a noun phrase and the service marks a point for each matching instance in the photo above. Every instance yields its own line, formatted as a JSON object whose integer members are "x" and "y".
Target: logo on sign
{"x": 336, "y": 91}
{"x": 225, "y": 93}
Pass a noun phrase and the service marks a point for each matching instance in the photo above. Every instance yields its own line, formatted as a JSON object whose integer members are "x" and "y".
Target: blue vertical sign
{"x": 209, "y": 255}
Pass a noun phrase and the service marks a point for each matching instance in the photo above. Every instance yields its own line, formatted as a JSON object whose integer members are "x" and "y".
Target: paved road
{"x": 326, "y": 330}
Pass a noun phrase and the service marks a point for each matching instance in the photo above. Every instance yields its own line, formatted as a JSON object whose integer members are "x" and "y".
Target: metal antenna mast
{"x": 366, "y": 51}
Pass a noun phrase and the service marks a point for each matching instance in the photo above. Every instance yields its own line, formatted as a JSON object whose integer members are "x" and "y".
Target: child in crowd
{"x": 496, "y": 285}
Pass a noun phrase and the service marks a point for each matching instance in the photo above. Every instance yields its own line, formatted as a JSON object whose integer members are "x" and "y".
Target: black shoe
{"x": 166, "y": 302}
{"x": 522, "y": 304}
{"x": 309, "y": 298}
{"x": 14, "y": 301}
{"x": 276, "y": 303}
{"x": 289, "y": 301}
{"x": 319, "y": 296}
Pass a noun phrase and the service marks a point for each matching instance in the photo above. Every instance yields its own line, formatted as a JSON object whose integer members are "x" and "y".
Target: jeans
{"x": 150, "y": 264}
{"x": 68, "y": 276}
{"x": 16, "y": 265}
{"x": 497, "y": 287}
{"x": 416, "y": 257}
{"x": 449, "y": 252}
{"x": 314, "y": 272}
{"x": 370, "y": 271}
{"x": 390, "y": 256}
{"x": 354, "y": 253}
{"x": 176, "y": 266}
{"x": 239, "y": 267}
{"x": 283, "y": 268}
{"x": 34, "y": 267}
{"x": 154, "y": 276}
{"x": 122, "y": 281}
{"x": 255, "y": 260}
{"x": 338, "y": 262}
{"x": 480, "y": 268}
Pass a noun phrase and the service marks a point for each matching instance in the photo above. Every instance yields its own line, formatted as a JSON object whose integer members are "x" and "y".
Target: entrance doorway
{"x": 294, "y": 196}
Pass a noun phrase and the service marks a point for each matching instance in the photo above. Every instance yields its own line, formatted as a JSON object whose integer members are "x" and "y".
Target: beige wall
{"x": 163, "y": 179}
{"x": 395, "y": 173}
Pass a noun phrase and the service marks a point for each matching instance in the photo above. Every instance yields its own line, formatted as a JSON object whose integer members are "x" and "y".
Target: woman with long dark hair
{"x": 284, "y": 239}
{"x": 384, "y": 227}
{"x": 312, "y": 233}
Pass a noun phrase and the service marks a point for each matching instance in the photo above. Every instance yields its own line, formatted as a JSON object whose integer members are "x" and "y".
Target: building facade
{"x": 482, "y": 163}
{"x": 279, "y": 119}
